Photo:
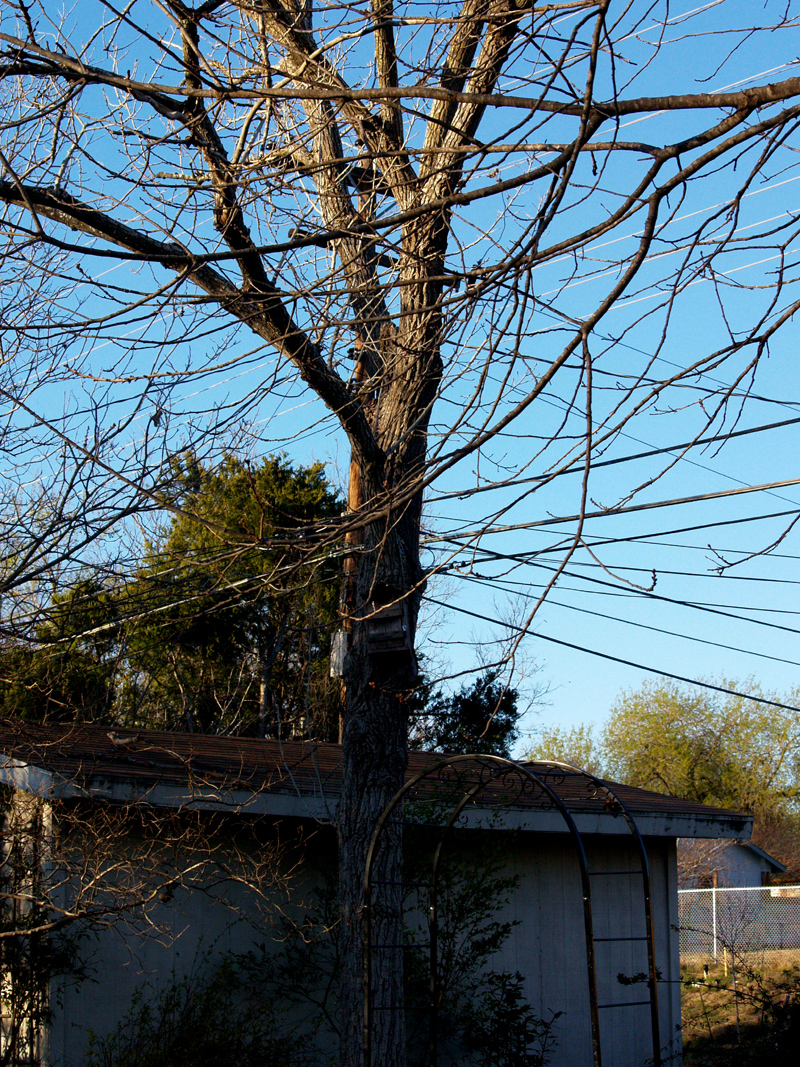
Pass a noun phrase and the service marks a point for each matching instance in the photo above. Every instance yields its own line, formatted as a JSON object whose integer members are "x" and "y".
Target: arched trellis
{"x": 462, "y": 779}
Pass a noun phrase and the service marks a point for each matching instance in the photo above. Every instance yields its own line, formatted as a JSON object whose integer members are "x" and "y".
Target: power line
{"x": 748, "y": 553}
{"x": 621, "y": 593}
{"x": 635, "y": 538}
{"x": 678, "y": 574}
{"x": 579, "y": 468}
{"x": 628, "y": 509}
{"x": 636, "y": 591}
{"x": 632, "y": 622}
{"x": 614, "y": 659}
{"x": 693, "y": 529}
{"x": 701, "y": 604}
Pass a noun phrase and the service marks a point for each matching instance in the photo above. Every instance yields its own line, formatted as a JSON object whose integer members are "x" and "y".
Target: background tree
{"x": 370, "y": 192}
{"x": 204, "y": 636}
{"x": 226, "y": 638}
{"x": 714, "y": 749}
{"x": 67, "y": 669}
{"x": 482, "y": 717}
{"x": 576, "y": 745}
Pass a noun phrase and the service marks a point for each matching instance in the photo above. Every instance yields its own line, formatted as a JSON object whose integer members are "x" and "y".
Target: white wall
{"x": 720, "y": 862}
{"x": 547, "y": 946}
{"x": 203, "y": 920}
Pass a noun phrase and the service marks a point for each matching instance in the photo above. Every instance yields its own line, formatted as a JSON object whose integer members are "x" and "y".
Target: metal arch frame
{"x": 652, "y": 978}
{"x": 528, "y": 776}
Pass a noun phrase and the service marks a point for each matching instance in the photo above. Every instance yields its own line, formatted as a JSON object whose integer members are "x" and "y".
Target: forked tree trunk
{"x": 375, "y": 728}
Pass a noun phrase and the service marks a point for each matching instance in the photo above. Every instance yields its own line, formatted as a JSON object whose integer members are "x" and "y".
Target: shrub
{"x": 212, "y": 1016}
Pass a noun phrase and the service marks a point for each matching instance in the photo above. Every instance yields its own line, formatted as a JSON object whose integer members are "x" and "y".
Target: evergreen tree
{"x": 482, "y": 717}
{"x": 228, "y": 631}
{"x": 67, "y": 669}
{"x": 222, "y": 628}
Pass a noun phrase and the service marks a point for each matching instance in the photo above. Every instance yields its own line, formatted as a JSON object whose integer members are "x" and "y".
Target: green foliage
{"x": 231, "y": 508}
{"x": 221, "y": 1015}
{"x": 693, "y": 743}
{"x": 224, "y": 627}
{"x": 482, "y": 717}
{"x": 231, "y": 632}
{"x": 502, "y": 1030}
{"x": 483, "y": 1016}
{"x": 576, "y": 745}
{"x": 68, "y": 669}
{"x": 707, "y": 747}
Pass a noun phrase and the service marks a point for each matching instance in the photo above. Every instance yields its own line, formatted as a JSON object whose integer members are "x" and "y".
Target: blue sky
{"x": 209, "y": 374}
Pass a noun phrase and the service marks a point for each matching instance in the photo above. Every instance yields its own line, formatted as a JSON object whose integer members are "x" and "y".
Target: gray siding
{"x": 547, "y": 947}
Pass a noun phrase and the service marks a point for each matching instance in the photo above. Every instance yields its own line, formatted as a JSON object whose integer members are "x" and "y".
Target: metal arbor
{"x": 459, "y": 781}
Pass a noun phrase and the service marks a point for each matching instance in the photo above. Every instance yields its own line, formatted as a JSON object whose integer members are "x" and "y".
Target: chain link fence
{"x": 741, "y": 921}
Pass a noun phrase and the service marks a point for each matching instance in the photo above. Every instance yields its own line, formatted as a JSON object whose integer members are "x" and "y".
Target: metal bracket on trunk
{"x": 338, "y": 652}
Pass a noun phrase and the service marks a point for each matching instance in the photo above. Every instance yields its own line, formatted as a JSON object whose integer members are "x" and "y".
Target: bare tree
{"x": 399, "y": 206}
{"x": 70, "y": 869}
{"x": 701, "y": 861}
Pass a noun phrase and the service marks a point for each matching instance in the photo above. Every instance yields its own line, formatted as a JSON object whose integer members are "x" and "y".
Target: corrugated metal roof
{"x": 89, "y": 755}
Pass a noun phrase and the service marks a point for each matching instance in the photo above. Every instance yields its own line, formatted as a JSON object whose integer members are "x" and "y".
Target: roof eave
{"x": 296, "y": 804}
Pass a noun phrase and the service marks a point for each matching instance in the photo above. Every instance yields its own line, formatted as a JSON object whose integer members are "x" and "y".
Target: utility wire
{"x": 635, "y": 538}
{"x": 579, "y": 468}
{"x": 509, "y": 587}
{"x": 693, "y": 529}
{"x": 613, "y": 659}
{"x": 628, "y": 509}
{"x": 701, "y": 604}
{"x": 679, "y": 574}
{"x": 636, "y": 592}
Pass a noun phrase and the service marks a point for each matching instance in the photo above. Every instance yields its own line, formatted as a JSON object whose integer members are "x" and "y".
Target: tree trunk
{"x": 374, "y": 757}
{"x": 374, "y": 760}
{"x": 375, "y": 734}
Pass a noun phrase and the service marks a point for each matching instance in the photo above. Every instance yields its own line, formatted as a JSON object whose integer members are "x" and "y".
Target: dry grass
{"x": 749, "y": 1015}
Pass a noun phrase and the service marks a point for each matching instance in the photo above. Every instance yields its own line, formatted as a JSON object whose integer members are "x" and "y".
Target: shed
{"x": 725, "y": 864}
{"x": 167, "y": 851}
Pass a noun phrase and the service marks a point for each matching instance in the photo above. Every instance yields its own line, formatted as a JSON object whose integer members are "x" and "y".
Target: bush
{"x": 211, "y": 1017}
{"x": 484, "y": 1018}
{"x": 502, "y": 1030}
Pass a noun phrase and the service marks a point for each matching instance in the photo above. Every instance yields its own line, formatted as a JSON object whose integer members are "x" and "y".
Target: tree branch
{"x": 262, "y": 309}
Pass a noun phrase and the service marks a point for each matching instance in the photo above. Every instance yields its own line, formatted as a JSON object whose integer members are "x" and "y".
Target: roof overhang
{"x": 299, "y": 804}
{"x": 777, "y": 866}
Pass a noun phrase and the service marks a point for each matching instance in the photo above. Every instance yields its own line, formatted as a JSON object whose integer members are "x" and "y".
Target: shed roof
{"x": 302, "y": 778}
{"x": 770, "y": 861}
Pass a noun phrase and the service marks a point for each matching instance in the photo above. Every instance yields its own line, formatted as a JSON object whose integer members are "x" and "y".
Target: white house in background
{"x": 725, "y": 864}
{"x": 258, "y": 797}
